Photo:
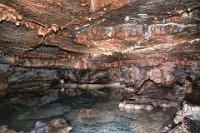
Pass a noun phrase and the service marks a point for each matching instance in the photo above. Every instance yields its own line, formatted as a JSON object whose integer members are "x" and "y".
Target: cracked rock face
{"x": 139, "y": 39}
{"x": 65, "y": 34}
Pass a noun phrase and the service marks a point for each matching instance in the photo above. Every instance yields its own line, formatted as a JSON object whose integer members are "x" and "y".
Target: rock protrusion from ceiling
{"x": 9, "y": 14}
{"x": 43, "y": 28}
{"x": 134, "y": 34}
{"x": 45, "y": 17}
{"x": 96, "y": 5}
{"x": 138, "y": 30}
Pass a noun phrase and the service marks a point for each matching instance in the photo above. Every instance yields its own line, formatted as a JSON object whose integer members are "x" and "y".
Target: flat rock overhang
{"x": 85, "y": 34}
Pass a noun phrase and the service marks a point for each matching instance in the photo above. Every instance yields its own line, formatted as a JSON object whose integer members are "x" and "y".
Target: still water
{"x": 87, "y": 115}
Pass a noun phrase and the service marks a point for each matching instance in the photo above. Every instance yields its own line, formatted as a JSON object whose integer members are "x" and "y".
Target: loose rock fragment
{"x": 54, "y": 126}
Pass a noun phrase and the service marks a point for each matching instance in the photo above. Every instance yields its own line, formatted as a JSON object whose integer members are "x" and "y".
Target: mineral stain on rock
{"x": 96, "y": 5}
{"x": 142, "y": 55}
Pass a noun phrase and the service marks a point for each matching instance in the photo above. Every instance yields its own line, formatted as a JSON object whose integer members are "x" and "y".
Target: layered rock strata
{"x": 68, "y": 36}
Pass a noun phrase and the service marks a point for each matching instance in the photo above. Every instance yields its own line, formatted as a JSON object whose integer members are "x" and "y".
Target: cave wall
{"x": 98, "y": 42}
{"x": 111, "y": 33}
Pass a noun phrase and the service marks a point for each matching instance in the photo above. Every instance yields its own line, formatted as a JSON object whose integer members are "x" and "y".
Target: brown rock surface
{"x": 99, "y": 42}
{"x": 96, "y": 5}
{"x": 63, "y": 33}
{"x": 102, "y": 47}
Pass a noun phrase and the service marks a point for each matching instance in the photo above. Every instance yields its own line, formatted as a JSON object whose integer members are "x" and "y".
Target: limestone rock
{"x": 189, "y": 111}
{"x": 65, "y": 34}
{"x": 187, "y": 119}
{"x": 129, "y": 107}
{"x": 54, "y": 126}
{"x": 96, "y": 5}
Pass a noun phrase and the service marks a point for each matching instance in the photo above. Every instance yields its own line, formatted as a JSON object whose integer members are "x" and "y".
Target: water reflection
{"x": 87, "y": 115}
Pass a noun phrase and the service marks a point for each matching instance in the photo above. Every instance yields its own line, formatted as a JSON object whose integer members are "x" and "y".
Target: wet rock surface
{"x": 187, "y": 119}
{"x": 54, "y": 126}
{"x": 41, "y": 86}
{"x": 151, "y": 95}
{"x": 144, "y": 53}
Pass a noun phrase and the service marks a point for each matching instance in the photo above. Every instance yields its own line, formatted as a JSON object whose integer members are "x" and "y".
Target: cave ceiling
{"x": 99, "y": 33}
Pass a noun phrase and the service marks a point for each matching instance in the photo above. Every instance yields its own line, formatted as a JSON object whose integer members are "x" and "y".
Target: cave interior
{"x": 100, "y": 66}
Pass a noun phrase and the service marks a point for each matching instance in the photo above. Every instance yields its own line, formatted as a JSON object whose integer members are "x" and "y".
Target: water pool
{"x": 87, "y": 115}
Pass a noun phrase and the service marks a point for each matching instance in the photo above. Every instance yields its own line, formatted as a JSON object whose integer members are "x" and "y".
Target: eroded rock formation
{"x": 144, "y": 52}
{"x": 64, "y": 33}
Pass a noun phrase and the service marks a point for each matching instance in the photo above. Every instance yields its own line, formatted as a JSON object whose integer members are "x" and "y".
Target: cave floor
{"x": 88, "y": 115}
